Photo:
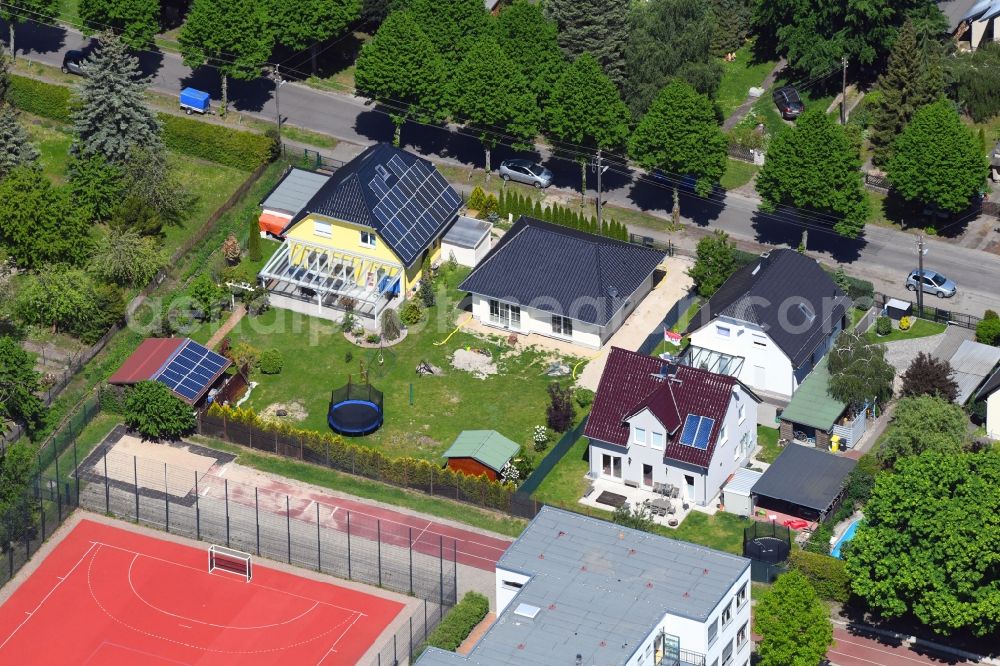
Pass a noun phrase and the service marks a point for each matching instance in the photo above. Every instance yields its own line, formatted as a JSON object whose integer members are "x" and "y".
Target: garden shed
{"x": 477, "y": 452}
{"x": 287, "y": 199}
{"x": 812, "y": 412}
{"x": 736, "y": 494}
{"x": 468, "y": 240}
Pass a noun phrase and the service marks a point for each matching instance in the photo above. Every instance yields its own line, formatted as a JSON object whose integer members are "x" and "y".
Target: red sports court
{"x": 107, "y": 595}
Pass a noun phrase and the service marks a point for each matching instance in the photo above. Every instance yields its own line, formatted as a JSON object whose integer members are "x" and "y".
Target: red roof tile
{"x": 146, "y": 360}
{"x": 630, "y": 382}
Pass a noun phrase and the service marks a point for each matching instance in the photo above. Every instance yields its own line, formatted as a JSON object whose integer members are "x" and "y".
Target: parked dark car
{"x": 73, "y": 63}
{"x": 788, "y": 102}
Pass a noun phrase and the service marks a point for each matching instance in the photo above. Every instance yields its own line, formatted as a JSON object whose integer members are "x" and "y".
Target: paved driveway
{"x": 902, "y": 352}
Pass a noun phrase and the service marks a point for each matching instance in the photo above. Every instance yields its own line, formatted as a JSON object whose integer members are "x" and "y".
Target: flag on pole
{"x": 670, "y": 336}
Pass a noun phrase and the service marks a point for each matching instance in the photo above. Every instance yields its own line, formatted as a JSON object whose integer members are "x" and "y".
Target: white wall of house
{"x": 993, "y": 415}
{"x": 466, "y": 256}
{"x": 508, "y": 585}
{"x": 765, "y": 367}
{"x": 736, "y": 442}
{"x": 538, "y": 321}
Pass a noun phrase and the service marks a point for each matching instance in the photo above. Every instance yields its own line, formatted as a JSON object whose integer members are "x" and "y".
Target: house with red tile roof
{"x": 656, "y": 422}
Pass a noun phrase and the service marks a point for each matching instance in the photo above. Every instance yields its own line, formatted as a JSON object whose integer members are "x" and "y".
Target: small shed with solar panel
{"x": 191, "y": 371}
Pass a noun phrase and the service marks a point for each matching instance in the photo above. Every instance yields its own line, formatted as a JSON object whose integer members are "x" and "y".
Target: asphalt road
{"x": 884, "y": 256}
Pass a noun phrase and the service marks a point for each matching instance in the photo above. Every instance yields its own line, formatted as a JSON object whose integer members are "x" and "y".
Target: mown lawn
{"x": 565, "y": 484}
{"x": 423, "y": 414}
{"x": 738, "y": 77}
{"x": 767, "y": 438}
{"x": 52, "y": 143}
{"x": 921, "y": 328}
{"x": 737, "y": 174}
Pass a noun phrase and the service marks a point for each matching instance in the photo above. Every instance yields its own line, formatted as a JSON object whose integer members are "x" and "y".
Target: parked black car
{"x": 788, "y": 102}
{"x": 73, "y": 63}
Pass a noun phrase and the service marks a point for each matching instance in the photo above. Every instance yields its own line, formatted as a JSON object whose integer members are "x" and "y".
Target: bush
{"x": 991, "y": 314}
{"x": 229, "y": 147}
{"x": 584, "y": 397}
{"x": 390, "y": 324}
{"x": 373, "y": 338}
{"x": 155, "y": 412}
{"x": 411, "y": 313}
{"x": 826, "y": 574}
{"x": 560, "y": 413}
{"x": 883, "y": 326}
{"x": 491, "y": 207}
{"x": 905, "y": 323}
{"x": 819, "y": 542}
{"x": 459, "y": 622}
{"x": 42, "y": 99}
{"x": 988, "y": 332}
{"x": 243, "y": 353}
{"x": 271, "y": 362}
{"x": 477, "y": 199}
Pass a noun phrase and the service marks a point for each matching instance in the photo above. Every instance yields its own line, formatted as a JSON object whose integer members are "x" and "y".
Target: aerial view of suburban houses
{"x": 500, "y": 332}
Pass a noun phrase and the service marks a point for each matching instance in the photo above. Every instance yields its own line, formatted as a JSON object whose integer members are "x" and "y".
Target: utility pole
{"x": 278, "y": 81}
{"x": 843, "y": 93}
{"x": 920, "y": 275}
{"x": 600, "y": 169}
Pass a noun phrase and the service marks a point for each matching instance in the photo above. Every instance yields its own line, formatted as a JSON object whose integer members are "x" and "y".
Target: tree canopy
{"x": 859, "y": 372}
{"x": 126, "y": 258}
{"x": 155, "y": 412}
{"x": 927, "y": 545}
{"x": 136, "y": 21}
{"x": 929, "y": 375}
{"x": 815, "y": 166}
{"x": 976, "y": 79}
{"x": 453, "y": 26}
{"x": 488, "y": 94}
{"x": 531, "y": 40}
{"x": 732, "y": 19}
{"x": 664, "y": 36}
{"x": 110, "y": 117}
{"x": 596, "y": 27}
{"x": 923, "y": 423}
{"x": 302, "y": 24}
{"x": 715, "y": 262}
{"x": 16, "y": 12}
{"x": 18, "y": 506}
{"x": 793, "y": 623}
{"x": 57, "y": 297}
{"x": 680, "y": 135}
{"x": 15, "y": 146}
{"x": 19, "y": 386}
{"x": 937, "y": 160}
{"x": 40, "y": 223}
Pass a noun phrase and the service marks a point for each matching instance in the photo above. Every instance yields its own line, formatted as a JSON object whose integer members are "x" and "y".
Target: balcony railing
{"x": 673, "y": 655}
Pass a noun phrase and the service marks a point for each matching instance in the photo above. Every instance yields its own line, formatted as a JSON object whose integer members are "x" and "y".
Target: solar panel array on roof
{"x": 410, "y": 209}
{"x": 191, "y": 370}
{"x": 697, "y": 430}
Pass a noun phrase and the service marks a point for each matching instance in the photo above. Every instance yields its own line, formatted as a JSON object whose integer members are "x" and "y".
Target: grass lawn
{"x": 52, "y": 144}
{"x": 768, "y": 440}
{"x": 328, "y": 478}
{"x": 69, "y": 12}
{"x": 856, "y": 316}
{"x": 768, "y": 112}
{"x": 738, "y": 77}
{"x": 921, "y": 328}
{"x": 737, "y": 174}
{"x": 211, "y": 183}
{"x": 318, "y": 358}
{"x": 565, "y": 484}
{"x": 88, "y": 439}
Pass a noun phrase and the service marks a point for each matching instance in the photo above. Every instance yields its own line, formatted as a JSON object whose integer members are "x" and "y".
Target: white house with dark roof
{"x": 575, "y": 590}
{"x": 654, "y": 422}
{"x": 559, "y": 282}
{"x": 769, "y": 325}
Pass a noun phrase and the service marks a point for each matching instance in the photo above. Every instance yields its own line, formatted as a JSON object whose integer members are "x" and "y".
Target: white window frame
{"x": 723, "y": 331}
{"x": 368, "y": 239}
{"x": 511, "y": 585}
{"x": 724, "y": 437}
{"x": 657, "y": 440}
{"x": 727, "y": 614}
{"x": 562, "y": 326}
{"x": 639, "y": 436}
{"x": 741, "y": 636}
{"x": 741, "y": 412}
{"x": 742, "y": 596}
{"x": 504, "y": 314}
{"x": 322, "y": 229}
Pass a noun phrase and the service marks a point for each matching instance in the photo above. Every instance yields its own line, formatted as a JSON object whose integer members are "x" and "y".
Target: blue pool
{"x": 845, "y": 537}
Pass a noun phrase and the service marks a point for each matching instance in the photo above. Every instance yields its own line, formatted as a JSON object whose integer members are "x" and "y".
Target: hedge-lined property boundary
{"x": 246, "y": 428}
{"x": 826, "y": 573}
{"x": 207, "y": 141}
{"x": 459, "y": 622}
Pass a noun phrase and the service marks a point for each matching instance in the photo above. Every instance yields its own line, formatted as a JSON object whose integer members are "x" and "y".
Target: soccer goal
{"x": 229, "y": 560}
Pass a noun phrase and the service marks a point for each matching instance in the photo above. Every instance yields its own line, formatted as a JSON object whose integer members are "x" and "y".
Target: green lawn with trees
{"x": 745, "y": 71}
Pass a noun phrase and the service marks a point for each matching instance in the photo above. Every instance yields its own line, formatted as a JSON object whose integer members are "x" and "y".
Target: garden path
{"x": 234, "y": 318}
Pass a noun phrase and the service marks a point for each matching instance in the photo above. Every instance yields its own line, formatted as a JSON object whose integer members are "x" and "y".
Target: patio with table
{"x": 663, "y": 502}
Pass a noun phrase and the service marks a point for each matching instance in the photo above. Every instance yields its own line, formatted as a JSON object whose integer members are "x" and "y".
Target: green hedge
{"x": 234, "y": 148}
{"x": 42, "y": 99}
{"x": 826, "y": 573}
{"x": 459, "y": 622}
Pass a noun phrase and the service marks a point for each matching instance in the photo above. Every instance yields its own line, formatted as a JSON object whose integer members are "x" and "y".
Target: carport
{"x": 804, "y": 482}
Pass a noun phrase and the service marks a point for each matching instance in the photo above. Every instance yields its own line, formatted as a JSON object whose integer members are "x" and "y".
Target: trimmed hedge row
{"x": 222, "y": 145}
{"x": 42, "y": 99}
{"x": 459, "y": 622}
{"x": 826, "y": 573}
{"x": 336, "y": 452}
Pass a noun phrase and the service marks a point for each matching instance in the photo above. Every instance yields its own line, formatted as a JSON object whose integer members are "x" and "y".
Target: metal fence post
{"x": 166, "y": 496}
{"x": 348, "y": 545}
{"x": 107, "y": 490}
{"x": 256, "y": 513}
{"x": 411, "y": 636}
{"x": 454, "y": 567}
{"x": 135, "y": 472}
{"x": 378, "y": 531}
{"x": 319, "y": 547}
{"x": 425, "y": 619}
{"x": 76, "y": 473}
{"x": 226, "y": 481}
{"x": 41, "y": 509}
{"x": 288, "y": 527}
{"x": 197, "y": 508}
{"x": 441, "y": 567}
{"x": 411, "y": 561}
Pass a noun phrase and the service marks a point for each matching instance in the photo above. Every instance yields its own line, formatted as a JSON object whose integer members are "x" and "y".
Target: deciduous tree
{"x": 561, "y": 412}
{"x": 136, "y": 21}
{"x": 231, "y": 35}
{"x": 19, "y": 385}
{"x": 18, "y": 507}
{"x": 55, "y": 296}
{"x": 977, "y": 81}
{"x": 923, "y": 423}
{"x": 488, "y": 94}
{"x": 401, "y": 69}
{"x": 815, "y": 166}
{"x": 936, "y": 160}
{"x": 859, "y": 372}
{"x": 40, "y": 223}
{"x": 453, "y": 26}
{"x": 156, "y": 413}
{"x": 96, "y": 186}
{"x": 679, "y": 134}
{"x": 929, "y": 375}
{"x": 793, "y": 622}
{"x": 532, "y": 41}
{"x": 126, "y": 258}
{"x": 715, "y": 262}
{"x": 110, "y": 116}
{"x": 15, "y": 146}
{"x": 586, "y": 110}
{"x": 305, "y": 24}
{"x": 927, "y": 545}
{"x": 596, "y": 27}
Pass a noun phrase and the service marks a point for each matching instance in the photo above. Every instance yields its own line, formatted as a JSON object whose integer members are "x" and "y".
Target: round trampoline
{"x": 767, "y": 542}
{"x": 355, "y": 410}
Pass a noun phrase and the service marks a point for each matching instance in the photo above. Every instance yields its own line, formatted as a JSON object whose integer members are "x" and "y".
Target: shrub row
{"x": 826, "y": 573}
{"x": 459, "y": 622}
{"x": 229, "y": 147}
{"x": 336, "y": 452}
{"x": 517, "y": 204}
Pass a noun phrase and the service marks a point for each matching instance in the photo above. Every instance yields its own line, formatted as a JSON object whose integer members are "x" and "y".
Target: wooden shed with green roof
{"x": 477, "y": 452}
{"x": 812, "y": 412}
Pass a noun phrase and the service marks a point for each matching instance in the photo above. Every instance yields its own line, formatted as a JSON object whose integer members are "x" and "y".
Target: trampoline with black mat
{"x": 355, "y": 410}
{"x": 767, "y": 545}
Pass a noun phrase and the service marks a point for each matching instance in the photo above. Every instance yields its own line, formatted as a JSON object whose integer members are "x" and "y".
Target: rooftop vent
{"x": 612, "y": 292}
{"x": 765, "y": 260}
{"x": 527, "y": 610}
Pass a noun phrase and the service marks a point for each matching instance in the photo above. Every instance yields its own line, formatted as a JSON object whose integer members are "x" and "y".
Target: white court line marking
{"x": 872, "y": 648}
{"x": 130, "y": 649}
{"x": 333, "y": 648}
{"x": 209, "y": 624}
{"x": 47, "y": 595}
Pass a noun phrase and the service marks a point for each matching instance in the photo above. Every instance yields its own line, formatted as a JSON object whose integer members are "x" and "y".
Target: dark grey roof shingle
{"x": 555, "y": 269}
{"x": 805, "y": 476}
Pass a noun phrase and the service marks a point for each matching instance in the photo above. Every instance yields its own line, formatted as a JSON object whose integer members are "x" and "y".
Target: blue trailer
{"x": 194, "y": 101}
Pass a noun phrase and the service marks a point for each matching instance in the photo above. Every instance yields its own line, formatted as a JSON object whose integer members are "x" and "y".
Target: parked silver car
{"x": 932, "y": 282}
{"x": 527, "y": 172}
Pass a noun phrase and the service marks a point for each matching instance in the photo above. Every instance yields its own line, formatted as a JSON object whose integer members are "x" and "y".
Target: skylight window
{"x": 527, "y": 610}
{"x": 807, "y": 311}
